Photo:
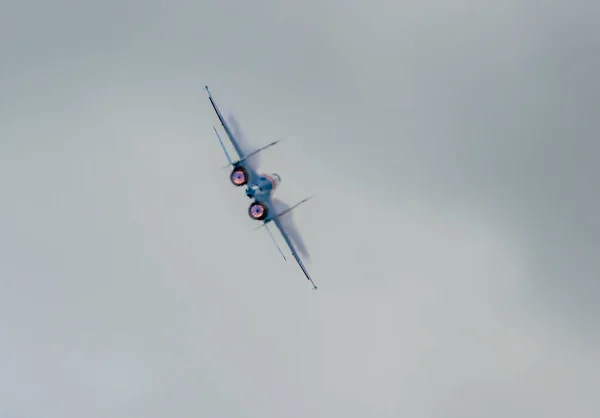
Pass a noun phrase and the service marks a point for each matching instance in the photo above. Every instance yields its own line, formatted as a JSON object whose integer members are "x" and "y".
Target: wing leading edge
{"x": 234, "y": 142}
{"x": 286, "y": 237}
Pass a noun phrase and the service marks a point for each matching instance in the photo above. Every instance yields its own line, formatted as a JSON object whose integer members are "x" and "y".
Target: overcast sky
{"x": 453, "y": 147}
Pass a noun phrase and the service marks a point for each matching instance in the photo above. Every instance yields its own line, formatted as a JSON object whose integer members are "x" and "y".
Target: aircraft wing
{"x": 292, "y": 239}
{"x": 248, "y": 156}
{"x": 238, "y": 149}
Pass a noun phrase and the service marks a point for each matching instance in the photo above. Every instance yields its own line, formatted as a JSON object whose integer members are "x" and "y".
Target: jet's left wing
{"x": 248, "y": 156}
{"x": 228, "y": 130}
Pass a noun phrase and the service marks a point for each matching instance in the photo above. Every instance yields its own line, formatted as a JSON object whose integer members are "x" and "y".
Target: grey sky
{"x": 455, "y": 237}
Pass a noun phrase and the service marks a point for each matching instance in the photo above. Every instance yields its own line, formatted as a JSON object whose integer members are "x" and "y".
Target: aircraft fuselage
{"x": 264, "y": 185}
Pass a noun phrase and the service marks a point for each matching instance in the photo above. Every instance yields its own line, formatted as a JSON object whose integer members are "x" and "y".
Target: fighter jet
{"x": 260, "y": 188}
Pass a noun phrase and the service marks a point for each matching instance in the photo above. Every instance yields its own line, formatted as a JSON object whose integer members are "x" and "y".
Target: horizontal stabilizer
{"x": 295, "y": 206}
{"x": 287, "y": 210}
{"x": 253, "y": 153}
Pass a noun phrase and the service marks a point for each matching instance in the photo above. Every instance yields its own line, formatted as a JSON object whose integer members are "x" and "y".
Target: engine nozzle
{"x": 239, "y": 176}
{"x": 258, "y": 211}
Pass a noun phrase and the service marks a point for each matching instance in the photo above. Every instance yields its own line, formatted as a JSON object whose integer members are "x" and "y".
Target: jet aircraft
{"x": 260, "y": 188}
